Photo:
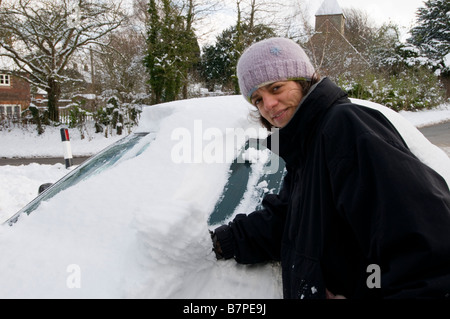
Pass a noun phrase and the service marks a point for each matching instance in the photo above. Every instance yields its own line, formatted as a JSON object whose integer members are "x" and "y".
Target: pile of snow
{"x": 440, "y": 114}
{"x": 21, "y": 183}
{"x": 139, "y": 229}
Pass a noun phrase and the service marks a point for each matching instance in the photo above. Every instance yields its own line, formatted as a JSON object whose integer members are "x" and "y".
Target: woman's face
{"x": 278, "y": 101}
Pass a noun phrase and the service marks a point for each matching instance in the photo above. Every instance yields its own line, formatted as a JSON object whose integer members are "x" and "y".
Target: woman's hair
{"x": 306, "y": 86}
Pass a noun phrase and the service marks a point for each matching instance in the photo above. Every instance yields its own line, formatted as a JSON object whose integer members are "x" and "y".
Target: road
{"x": 437, "y": 134}
{"x": 39, "y": 160}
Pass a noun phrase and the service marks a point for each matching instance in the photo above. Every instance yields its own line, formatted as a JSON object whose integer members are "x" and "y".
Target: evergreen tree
{"x": 432, "y": 34}
{"x": 172, "y": 51}
{"x": 219, "y": 61}
{"x": 384, "y": 51}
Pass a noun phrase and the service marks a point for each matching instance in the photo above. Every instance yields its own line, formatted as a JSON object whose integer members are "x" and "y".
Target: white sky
{"x": 401, "y": 12}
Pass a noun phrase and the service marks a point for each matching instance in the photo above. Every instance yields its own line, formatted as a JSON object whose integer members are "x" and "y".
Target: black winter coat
{"x": 354, "y": 197}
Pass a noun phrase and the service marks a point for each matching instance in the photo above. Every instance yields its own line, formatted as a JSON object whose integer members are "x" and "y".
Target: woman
{"x": 358, "y": 215}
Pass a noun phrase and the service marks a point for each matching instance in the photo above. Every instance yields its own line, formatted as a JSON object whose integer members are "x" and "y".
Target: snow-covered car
{"x": 133, "y": 221}
{"x": 123, "y": 149}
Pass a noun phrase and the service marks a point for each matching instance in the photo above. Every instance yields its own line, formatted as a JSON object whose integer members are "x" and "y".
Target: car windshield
{"x": 126, "y": 148}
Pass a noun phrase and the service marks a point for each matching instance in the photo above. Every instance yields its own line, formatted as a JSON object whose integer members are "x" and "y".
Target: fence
{"x": 11, "y": 115}
{"x": 9, "y": 111}
{"x": 64, "y": 115}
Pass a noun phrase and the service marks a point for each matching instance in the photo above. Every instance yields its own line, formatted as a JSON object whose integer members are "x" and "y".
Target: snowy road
{"x": 39, "y": 160}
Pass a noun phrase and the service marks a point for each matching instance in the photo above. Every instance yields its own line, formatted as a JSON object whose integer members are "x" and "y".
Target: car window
{"x": 255, "y": 172}
{"x": 124, "y": 149}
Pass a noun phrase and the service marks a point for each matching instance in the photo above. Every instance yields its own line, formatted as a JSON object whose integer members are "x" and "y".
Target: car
{"x": 93, "y": 166}
{"x": 133, "y": 221}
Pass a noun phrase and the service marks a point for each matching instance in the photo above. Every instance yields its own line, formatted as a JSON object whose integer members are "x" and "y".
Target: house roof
{"x": 6, "y": 64}
{"x": 329, "y": 7}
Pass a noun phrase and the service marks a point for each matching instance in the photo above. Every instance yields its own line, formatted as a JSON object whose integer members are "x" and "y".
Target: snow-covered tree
{"x": 219, "y": 61}
{"x": 172, "y": 47}
{"x": 384, "y": 51}
{"x": 432, "y": 33}
{"x": 44, "y": 35}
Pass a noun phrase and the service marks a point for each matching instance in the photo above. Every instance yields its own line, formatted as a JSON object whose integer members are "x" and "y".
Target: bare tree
{"x": 359, "y": 29}
{"x": 259, "y": 12}
{"x": 44, "y": 35}
{"x": 193, "y": 12}
{"x": 196, "y": 12}
{"x": 295, "y": 21}
{"x": 140, "y": 12}
{"x": 120, "y": 64}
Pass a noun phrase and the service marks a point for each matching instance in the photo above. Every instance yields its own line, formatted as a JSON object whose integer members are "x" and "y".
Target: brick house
{"x": 15, "y": 96}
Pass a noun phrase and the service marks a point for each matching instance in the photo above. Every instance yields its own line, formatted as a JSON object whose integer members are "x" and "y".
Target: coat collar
{"x": 291, "y": 142}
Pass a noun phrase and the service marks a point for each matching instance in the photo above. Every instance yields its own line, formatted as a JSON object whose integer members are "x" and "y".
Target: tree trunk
{"x": 54, "y": 93}
{"x": 445, "y": 79}
{"x": 185, "y": 91}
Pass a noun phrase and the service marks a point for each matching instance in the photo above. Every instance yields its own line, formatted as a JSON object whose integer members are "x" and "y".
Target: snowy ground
{"x": 156, "y": 263}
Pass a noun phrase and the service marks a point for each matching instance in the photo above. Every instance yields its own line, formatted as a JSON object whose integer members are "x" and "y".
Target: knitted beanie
{"x": 272, "y": 60}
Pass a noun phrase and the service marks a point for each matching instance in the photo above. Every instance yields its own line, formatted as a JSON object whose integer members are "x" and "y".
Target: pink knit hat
{"x": 272, "y": 60}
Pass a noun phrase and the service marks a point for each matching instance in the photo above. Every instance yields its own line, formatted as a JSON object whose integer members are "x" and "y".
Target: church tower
{"x": 330, "y": 51}
{"x": 330, "y": 13}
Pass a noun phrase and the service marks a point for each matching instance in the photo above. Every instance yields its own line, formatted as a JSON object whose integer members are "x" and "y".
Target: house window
{"x": 17, "y": 111}
{"x": 5, "y": 80}
{"x": 10, "y": 112}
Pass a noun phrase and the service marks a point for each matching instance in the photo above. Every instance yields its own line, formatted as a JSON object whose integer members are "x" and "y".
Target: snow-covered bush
{"x": 410, "y": 90}
{"x": 116, "y": 115}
